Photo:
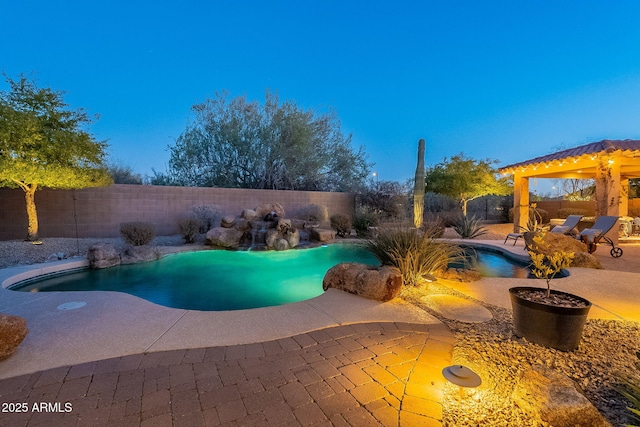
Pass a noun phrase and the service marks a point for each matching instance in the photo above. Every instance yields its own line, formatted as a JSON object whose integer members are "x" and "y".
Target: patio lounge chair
{"x": 594, "y": 235}
{"x": 565, "y": 228}
{"x": 568, "y": 225}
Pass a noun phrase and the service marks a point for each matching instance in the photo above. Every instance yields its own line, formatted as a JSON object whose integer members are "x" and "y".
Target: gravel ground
{"x": 490, "y": 348}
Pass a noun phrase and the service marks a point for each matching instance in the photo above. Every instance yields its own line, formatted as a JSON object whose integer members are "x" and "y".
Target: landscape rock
{"x": 555, "y": 398}
{"x": 322, "y": 234}
{"x": 223, "y": 237}
{"x": 103, "y": 255}
{"x": 292, "y": 237}
{"x": 283, "y": 225}
{"x": 13, "y": 329}
{"x": 138, "y": 254}
{"x": 377, "y": 283}
{"x": 554, "y": 242}
{"x": 281, "y": 245}
{"x": 262, "y": 211}
{"x": 248, "y": 214}
{"x": 228, "y": 221}
{"x": 242, "y": 224}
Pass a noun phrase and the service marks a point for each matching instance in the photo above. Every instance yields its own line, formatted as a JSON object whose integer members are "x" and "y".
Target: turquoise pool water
{"x": 215, "y": 280}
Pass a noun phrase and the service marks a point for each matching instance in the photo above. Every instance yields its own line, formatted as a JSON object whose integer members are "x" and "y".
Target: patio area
{"x": 334, "y": 360}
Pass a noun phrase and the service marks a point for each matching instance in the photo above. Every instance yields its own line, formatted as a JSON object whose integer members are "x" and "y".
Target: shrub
{"x": 435, "y": 223}
{"x": 565, "y": 212}
{"x": 342, "y": 224}
{"x": 137, "y": 233}
{"x": 415, "y": 253}
{"x": 535, "y": 214}
{"x": 208, "y": 216}
{"x": 314, "y": 213}
{"x": 364, "y": 219}
{"x": 189, "y": 229}
{"x": 469, "y": 227}
{"x": 629, "y": 387}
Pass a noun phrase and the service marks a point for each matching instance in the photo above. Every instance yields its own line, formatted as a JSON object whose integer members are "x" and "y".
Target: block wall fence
{"x": 98, "y": 212}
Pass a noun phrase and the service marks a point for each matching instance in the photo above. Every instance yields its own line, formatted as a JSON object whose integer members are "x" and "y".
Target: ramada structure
{"x": 610, "y": 163}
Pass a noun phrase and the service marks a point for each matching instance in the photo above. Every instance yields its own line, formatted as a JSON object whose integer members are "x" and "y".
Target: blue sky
{"x": 501, "y": 80}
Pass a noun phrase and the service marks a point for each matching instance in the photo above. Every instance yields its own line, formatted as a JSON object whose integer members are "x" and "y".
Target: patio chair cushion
{"x": 590, "y": 234}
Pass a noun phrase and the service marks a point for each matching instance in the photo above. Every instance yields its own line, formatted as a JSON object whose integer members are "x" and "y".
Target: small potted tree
{"x": 544, "y": 316}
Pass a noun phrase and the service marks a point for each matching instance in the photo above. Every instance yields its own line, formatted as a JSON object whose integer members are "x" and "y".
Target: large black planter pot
{"x": 548, "y": 325}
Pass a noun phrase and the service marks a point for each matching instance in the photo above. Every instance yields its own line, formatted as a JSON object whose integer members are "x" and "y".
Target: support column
{"x": 520, "y": 202}
{"x": 609, "y": 192}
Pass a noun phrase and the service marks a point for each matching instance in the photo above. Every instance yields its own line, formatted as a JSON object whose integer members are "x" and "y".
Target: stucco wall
{"x": 99, "y": 211}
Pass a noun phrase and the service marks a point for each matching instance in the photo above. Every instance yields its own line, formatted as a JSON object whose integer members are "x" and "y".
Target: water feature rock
{"x": 248, "y": 214}
{"x": 242, "y": 224}
{"x": 283, "y": 225}
{"x": 103, "y": 255}
{"x": 262, "y": 211}
{"x": 555, "y": 398}
{"x": 13, "y": 329}
{"x": 228, "y": 221}
{"x": 377, "y": 283}
{"x": 292, "y": 237}
{"x": 138, "y": 254}
{"x": 270, "y": 237}
{"x": 281, "y": 245}
{"x": 224, "y": 237}
{"x": 323, "y": 234}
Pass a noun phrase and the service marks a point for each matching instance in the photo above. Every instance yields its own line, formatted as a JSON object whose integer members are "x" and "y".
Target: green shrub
{"x": 364, "y": 219}
{"x": 137, "y": 233}
{"x": 415, "y": 253}
{"x": 435, "y": 223}
{"x": 189, "y": 229}
{"x": 342, "y": 224}
{"x": 565, "y": 212}
{"x": 540, "y": 216}
{"x": 314, "y": 213}
{"x": 469, "y": 227}
{"x": 208, "y": 216}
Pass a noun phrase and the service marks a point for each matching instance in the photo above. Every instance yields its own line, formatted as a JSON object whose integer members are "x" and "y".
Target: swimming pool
{"x": 214, "y": 280}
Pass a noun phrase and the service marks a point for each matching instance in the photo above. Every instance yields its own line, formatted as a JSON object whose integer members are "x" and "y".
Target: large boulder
{"x": 242, "y": 224}
{"x": 555, "y": 242}
{"x": 223, "y": 237}
{"x": 248, "y": 214}
{"x": 377, "y": 283}
{"x": 292, "y": 237}
{"x": 103, "y": 255}
{"x": 322, "y": 234}
{"x": 281, "y": 245}
{"x": 555, "y": 398}
{"x": 13, "y": 329}
{"x": 264, "y": 210}
{"x": 138, "y": 254}
{"x": 283, "y": 225}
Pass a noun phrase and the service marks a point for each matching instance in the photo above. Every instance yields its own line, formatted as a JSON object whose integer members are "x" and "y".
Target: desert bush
{"x": 208, "y": 215}
{"x": 388, "y": 199}
{"x": 189, "y": 229}
{"x": 415, "y": 253}
{"x": 469, "y": 227}
{"x": 342, "y": 224}
{"x": 137, "y": 233}
{"x": 435, "y": 223}
{"x": 364, "y": 219}
{"x": 629, "y": 387}
{"x": 314, "y": 213}
{"x": 565, "y": 212}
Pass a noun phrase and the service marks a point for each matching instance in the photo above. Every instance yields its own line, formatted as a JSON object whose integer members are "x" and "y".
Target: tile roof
{"x": 592, "y": 148}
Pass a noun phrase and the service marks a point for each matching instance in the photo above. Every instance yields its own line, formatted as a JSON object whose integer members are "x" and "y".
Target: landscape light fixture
{"x": 461, "y": 376}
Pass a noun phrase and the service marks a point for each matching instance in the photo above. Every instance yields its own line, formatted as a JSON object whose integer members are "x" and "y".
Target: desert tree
{"x": 465, "y": 179}
{"x": 237, "y": 143}
{"x": 44, "y": 144}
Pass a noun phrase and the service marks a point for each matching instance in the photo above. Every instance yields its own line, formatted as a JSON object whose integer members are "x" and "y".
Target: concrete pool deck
{"x": 336, "y": 359}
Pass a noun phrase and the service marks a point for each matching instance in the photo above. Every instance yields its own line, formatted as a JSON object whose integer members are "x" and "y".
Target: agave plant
{"x": 469, "y": 228}
{"x": 630, "y": 388}
{"x": 415, "y": 253}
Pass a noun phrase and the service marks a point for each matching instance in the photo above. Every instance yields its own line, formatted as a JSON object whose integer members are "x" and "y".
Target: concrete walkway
{"x": 334, "y": 360}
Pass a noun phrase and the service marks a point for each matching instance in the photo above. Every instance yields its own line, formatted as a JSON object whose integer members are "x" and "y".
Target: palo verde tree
{"x": 235, "y": 143}
{"x": 465, "y": 179}
{"x": 43, "y": 145}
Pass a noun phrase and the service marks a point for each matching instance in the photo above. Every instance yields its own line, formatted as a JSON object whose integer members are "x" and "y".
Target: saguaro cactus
{"x": 418, "y": 187}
